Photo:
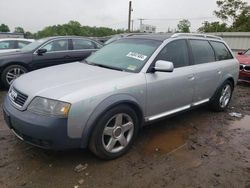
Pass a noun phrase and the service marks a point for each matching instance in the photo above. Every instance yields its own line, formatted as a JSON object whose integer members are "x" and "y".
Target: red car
{"x": 244, "y": 60}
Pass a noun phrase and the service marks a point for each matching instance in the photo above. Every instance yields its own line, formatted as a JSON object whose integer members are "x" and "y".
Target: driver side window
{"x": 57, "y": 45}
{"x": 175, "y": 52}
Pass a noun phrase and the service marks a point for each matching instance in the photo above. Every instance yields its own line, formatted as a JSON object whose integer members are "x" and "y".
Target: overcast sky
{"x": 34, "y": 15}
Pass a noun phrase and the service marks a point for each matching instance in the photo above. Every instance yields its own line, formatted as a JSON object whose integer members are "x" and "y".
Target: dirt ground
{"x": 198, "y": 148}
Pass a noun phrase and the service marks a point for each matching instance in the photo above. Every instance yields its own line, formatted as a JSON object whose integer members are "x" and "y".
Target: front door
{"x": 168, "y": 93}
{"x": 57, "y": 53}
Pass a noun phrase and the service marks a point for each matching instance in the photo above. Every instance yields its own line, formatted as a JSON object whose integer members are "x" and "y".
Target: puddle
{"x": 165, "y": 139}
{"x": 244, "y": 123}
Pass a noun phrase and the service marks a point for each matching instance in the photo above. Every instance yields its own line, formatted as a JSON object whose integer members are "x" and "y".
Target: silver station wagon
{"x": 102, "y": 102}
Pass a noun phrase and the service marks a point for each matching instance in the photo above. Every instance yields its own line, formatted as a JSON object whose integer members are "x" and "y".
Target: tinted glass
{"x": 175, "y": 52}
{"x": 34, "y": 45}
{"x": 7, "y": 45}
{"x": 221, "y": 51}
{"x": 57, "y": 45}
{"x": 79, "y": 44}
{"x": 247, "y": 52}
{"x": 202, "y": 51}
{"x": 126, "y": 54}
{"x": 21, "y": 44}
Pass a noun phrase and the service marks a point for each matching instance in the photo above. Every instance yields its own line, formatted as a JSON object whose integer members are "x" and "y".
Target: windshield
{"x": 247, "y": 52}
{"x": 125, "y": 54}
{"x": 32, "y": 46}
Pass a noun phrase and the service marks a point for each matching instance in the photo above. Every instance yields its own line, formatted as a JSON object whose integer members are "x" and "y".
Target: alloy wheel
{"x": 14, "y": 73}
{"x": 117, "y": 132}
{"x": 225, "y": 95}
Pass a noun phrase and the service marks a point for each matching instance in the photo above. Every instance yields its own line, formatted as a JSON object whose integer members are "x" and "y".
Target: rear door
{"x": 206, "y": 68}
{"x": 57, "y": 53}
{"x": 82, "y": 48}
{"x": 170, "y": 92}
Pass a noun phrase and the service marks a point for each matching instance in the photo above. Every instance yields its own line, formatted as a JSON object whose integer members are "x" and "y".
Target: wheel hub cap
{"x": 117, "y": 132}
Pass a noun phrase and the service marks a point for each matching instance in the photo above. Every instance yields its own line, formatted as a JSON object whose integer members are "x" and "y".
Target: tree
{"x": 242, "y": 23}
{"x": 229, "y": 10}
{"x": 75, "y": 28}
{"x": 236, "y": 13}
{"x": 4, "y": 28}
{"x": 208, "y": 27}
{"x": 28, "y": 35}
{"x": 19, "y": 30}
{"x": 184, "y": 26}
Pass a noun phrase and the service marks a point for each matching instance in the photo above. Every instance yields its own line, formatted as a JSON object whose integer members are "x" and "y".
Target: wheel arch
{"x": 225, "y": 78}
{"x": 15, "y": 63}
{"x": 105, "y": 105}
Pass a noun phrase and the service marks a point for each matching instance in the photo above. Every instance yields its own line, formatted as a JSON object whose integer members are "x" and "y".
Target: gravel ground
{"x": 198, "y": 148}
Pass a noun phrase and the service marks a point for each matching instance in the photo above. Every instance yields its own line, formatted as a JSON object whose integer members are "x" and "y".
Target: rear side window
{"x": 21, "y": 44}
{"x": 80, "y": 44}
{"x": 202, "y": 51}
{"x": 221, "y": 51}
{"x": 7, "y": 45}
{"x": 176, "y": 52}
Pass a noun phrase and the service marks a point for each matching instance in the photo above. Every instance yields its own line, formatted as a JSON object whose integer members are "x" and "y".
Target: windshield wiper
{"x": 103, "y": 66}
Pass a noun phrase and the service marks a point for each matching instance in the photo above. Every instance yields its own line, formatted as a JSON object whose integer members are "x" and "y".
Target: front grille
{"x": 17, "y": 97}
{"x": 245, "y": 68}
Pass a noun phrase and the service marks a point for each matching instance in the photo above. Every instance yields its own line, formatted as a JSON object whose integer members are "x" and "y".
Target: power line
{"x": 174, "y": 19}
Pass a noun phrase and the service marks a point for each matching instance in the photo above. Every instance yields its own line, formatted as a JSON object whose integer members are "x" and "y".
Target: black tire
{"x": 216, "y": 104}
{"x": 5, "y": 80}
{"x": 97, "y": 141}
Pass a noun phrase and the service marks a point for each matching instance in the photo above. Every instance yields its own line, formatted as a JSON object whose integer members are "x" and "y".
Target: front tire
{"x": 114, "y": 132}
{"x": 222, "y": 98}
{"x": 10, "y": 73}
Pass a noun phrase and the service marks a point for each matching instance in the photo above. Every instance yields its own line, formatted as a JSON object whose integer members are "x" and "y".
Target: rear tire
{"x": 114, "y": 132}
{"x": 222, "y": 97}
{"x": 10, "y": 73}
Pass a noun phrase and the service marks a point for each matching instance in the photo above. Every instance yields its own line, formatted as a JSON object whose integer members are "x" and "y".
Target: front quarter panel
{"x": 89, "y": 104}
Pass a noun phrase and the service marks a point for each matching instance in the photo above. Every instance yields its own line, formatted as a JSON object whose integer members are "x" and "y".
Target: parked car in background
{"x": 43, "y": 53}
{"x": 244, "y": 60}
{"x": 120, "y": 36}
{"x": 13, "y": 44}
{"x": 102, "y": 102}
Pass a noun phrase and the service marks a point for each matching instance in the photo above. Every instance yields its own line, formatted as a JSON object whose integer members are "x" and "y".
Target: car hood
{"x": 244, "y": 59}
{"x": 57, "y": 82}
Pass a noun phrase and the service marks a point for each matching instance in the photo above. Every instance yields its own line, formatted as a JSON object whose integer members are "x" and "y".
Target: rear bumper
{"x": 39, "y": 130}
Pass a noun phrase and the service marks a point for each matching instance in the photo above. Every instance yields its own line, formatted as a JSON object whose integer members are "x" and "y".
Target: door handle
{"x": 219, "y": 72}
{"x": 67, "y": 57}
{"x": 191, "y": 77}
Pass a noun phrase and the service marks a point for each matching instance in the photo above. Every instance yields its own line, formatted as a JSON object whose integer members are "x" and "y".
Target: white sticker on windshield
{"x": 138, "y": 56}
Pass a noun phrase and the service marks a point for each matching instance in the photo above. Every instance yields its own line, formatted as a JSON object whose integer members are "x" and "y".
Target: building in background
{"x": 147, "y": 28}
{"x": 237, "y": 41}
{"x": 11, "y": 35}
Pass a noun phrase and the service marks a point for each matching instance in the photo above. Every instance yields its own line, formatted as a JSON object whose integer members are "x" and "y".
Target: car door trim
{"x": 200, "y": 102}
{"x": 151, "y": 118}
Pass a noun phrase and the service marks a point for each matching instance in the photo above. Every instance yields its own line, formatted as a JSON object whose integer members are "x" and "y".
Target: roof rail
{"x": 195, "y": 35}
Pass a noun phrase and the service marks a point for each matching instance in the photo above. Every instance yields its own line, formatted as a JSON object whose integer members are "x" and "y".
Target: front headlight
{"x": 46, "y": 106}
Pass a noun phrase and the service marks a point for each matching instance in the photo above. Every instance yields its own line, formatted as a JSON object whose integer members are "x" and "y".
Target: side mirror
{"x": 41, "y": 51}
{"x": 240, "y": 53}
{"x": 164, "y": 66}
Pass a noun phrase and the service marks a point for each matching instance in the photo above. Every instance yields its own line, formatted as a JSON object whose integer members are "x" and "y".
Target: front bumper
{"x": 39, "y": 130}
{"x": 244, "y": 76}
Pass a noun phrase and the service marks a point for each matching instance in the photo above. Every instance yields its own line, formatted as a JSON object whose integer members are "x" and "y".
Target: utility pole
{"x": 129, "y": 15}
{"x": 132, "y": 29}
